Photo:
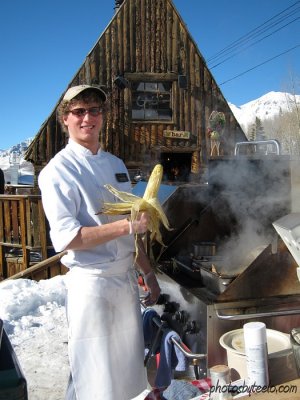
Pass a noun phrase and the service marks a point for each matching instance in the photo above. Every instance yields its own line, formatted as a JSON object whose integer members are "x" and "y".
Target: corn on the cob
{"x": 133, "y": 205}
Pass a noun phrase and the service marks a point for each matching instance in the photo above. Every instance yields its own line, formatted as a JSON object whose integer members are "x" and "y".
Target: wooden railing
{"x": 45, "y": 269}
{"x": 24, "y": 233}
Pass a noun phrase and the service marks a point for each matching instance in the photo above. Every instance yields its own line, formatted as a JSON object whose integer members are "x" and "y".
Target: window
{"x": 151, "y": 101}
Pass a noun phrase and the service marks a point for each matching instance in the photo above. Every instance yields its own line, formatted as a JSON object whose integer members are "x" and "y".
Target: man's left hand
{"x": 153, "y": 287}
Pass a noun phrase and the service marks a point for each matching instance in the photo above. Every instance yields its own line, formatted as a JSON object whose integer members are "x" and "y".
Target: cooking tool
{"x": 184, "y": 264}
{"x": 214, "y": 281}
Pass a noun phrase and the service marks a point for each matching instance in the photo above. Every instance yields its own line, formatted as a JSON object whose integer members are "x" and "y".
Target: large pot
{"x": 202, "y": 271}
{"x": 204, "y": 249}
{"x": 281, "y": 361}
{"x": 215, "y": 282}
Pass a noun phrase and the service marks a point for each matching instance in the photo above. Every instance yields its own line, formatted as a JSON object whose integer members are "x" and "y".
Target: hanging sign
{"x": 177, "y": 134}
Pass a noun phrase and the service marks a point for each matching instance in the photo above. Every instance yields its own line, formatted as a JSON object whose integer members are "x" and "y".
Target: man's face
{"x": 85, "y": 123}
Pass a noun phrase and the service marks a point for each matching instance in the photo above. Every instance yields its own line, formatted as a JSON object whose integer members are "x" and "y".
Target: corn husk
{"x": 133, "y": 205}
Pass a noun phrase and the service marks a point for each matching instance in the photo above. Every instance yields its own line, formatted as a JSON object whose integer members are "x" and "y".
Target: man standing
{"x": 105, "y": 339}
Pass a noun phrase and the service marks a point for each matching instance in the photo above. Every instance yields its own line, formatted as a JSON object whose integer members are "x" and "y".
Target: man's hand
{"x": 140, "y": 225}
{"x": 154, "y": 289}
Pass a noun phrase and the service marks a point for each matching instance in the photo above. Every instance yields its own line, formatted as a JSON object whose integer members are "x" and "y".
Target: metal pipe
{"x": 262, "y": 142}
{"x": 238, "y": 317}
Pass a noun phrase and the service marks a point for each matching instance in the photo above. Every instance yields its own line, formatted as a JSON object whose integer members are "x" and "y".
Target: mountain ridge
{"x": 265, "y": 108}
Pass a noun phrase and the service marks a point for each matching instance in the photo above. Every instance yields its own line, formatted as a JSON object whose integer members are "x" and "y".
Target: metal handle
{"x": 251, "y": 143}
{"x": 186, "y": 351}
{"x": 238, "y": 317}
{"x": 154, "y": 344}
{"x": 162, "y": 325}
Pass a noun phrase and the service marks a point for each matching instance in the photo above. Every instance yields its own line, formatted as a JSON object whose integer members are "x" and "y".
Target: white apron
{"x": 106, "y": 347}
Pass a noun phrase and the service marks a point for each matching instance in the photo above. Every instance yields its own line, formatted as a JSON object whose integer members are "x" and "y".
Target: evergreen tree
{"x": 252, "y": 133}
{"x": 259, "y": 130}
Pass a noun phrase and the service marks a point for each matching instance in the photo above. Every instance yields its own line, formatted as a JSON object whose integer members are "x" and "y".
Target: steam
{"x": 254, "y": 193}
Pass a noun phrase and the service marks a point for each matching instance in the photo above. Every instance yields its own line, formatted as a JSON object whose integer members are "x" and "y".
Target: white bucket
{"x": 281, "y": 362}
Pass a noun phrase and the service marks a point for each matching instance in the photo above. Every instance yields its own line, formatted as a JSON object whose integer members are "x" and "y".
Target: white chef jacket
{"x": 73, "y": 193}
{"x": 105, "y": 339}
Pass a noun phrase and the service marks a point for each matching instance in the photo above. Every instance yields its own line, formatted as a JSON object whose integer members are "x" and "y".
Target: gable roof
{"x": 148, "y": 38}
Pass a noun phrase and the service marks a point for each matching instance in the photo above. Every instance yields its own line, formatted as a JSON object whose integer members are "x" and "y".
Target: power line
{"x": 258, "y": 65}
{"x": 254, "y": 33}
{"x": 250, "y": 45}
{"x": 249, "y": 34}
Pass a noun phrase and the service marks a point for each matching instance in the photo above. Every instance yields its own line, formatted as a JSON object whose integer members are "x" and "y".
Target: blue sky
{"x": 43, "y": 44}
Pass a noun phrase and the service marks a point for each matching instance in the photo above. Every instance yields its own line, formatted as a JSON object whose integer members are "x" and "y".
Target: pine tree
{"x": 259, "y": 129}
{"x": 252, "y": 133}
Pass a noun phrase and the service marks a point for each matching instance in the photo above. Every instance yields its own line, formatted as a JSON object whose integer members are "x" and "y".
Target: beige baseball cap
{"x": 75, "y": 90}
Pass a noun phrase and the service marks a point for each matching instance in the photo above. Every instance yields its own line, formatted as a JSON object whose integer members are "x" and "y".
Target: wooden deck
{"x": 25, "y": 246}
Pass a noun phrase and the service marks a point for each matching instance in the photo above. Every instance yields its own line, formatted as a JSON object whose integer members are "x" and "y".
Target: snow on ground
{"x": 33, "y": 315}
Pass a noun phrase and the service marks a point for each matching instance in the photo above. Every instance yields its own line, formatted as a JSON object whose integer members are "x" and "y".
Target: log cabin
{"x": 161, "y": 95}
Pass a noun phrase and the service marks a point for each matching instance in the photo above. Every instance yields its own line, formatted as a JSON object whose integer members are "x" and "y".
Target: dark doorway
{"x": 177, "y": 166}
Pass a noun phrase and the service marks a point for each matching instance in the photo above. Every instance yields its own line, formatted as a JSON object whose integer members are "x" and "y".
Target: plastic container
{"x": 220, "y": 380}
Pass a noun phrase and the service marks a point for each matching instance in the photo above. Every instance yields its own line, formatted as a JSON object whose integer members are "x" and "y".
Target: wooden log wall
{"x": 147, "y": 40}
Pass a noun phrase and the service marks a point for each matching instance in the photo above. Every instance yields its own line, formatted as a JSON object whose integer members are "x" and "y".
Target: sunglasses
{"x": 80, "y": 112}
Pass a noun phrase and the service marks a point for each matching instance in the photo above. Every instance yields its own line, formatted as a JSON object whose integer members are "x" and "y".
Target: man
{"x": 104, "y": 318}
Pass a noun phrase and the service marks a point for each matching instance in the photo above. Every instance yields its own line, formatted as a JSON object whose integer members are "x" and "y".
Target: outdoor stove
{"x": 248, "y": 273}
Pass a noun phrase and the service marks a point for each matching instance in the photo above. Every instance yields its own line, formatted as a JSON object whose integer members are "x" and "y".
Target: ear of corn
{"x": 154, "y": 182}
{"x": 133, "y": 205}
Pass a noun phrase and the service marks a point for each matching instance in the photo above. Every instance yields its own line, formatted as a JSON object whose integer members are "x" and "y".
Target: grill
{"x": 247, "y": 272}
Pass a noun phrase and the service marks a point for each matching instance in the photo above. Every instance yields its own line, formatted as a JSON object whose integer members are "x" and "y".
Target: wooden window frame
{"x": 154, "y": 78}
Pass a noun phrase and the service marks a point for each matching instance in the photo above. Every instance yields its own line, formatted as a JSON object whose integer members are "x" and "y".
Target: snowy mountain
{"x": 18, "y": 149}
{"x": 264, "y": 108}
{"x": 13, "y": 164}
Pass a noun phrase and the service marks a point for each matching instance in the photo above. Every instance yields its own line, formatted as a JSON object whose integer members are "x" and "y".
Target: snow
{"x": 33, "y": 315}
{"x": 34, "y": 319}
{"x": 265, "y": 107}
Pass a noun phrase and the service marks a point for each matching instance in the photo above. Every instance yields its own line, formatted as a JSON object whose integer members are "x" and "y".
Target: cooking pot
{"x": 281, "y": 361}
{"x": 204, "y": 249}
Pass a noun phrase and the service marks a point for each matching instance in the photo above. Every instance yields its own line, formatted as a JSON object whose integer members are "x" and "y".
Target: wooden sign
{"x": 177, "y": 134}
